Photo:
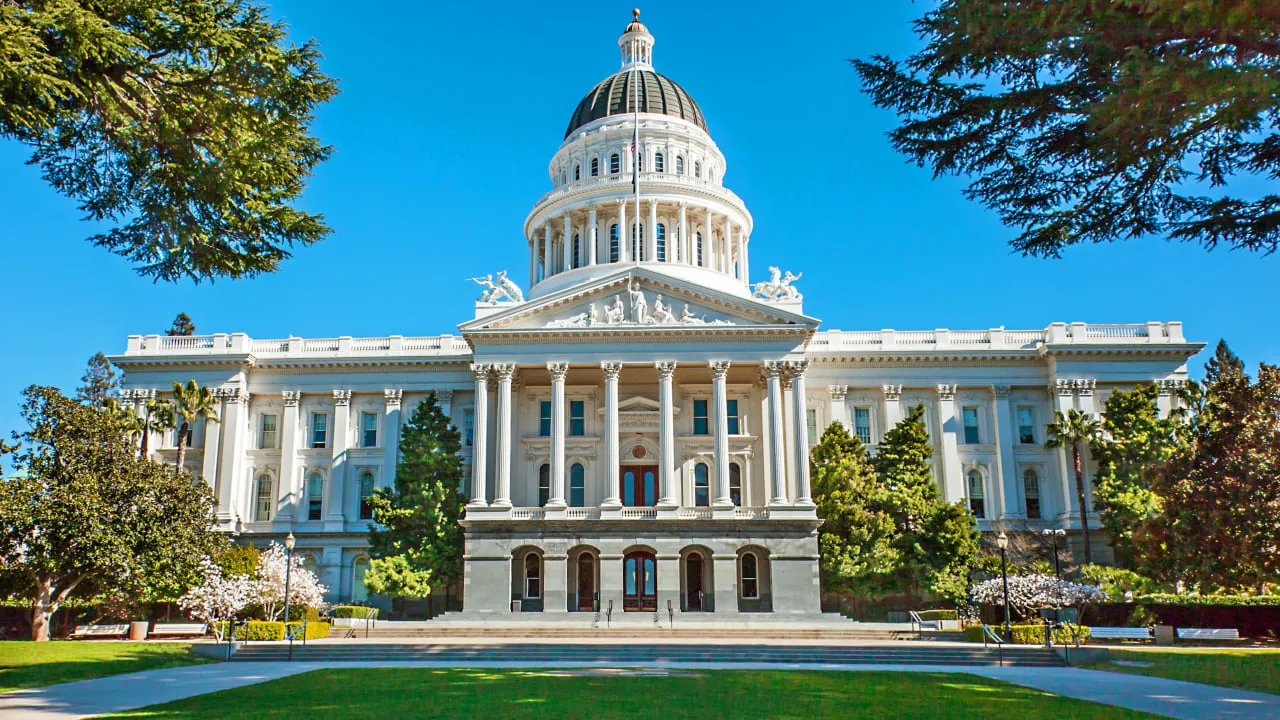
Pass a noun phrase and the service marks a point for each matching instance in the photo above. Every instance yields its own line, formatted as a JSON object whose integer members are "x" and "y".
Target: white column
{"x": 230, "y": 464}
{"x": 839, "y": 408}
{"x": 392, "y": 399}
{"x": 1065, "y": 401}
{"x": 480, "y": 436}
{"x": 287, "y": 498}
{"x": 707, "y": 244}
{"x": 1007, "y": 469}
{"x": 777, "y": 429}
{"x": 651, "y": 235}
{"x": 1164, "y": 403}
{"x": 533, "y": 260}
{"x": 952, "y": 473}
{"x": 546, "y": 251}
{"x": 746, "y": 260}
{"x": 593, "y": 235}
{"x": 797, "y": 370}
{"x": 566, "y": 243}
{"x": 209, "y": 465}
{"x": 624, "y": 241}
{"x": 502, "y": 459}
{"x": 612, "y": 452}
{"x": 892, "y": 405}
{"x": 684, "y": 235}
{"x": 666, "y": 435}
{"x": 336, "y": 517}
{"x": 726, "y": 259}
{"x": 558, "y": 372}
{"x": 740, "y": 255}
{"x": 719, "y": 392}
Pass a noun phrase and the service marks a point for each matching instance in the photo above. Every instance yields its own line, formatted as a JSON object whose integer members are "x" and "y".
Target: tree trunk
{"x": 42, "y": 612}
{"x": 182, "y": 447}
{"x": 1084, "y": 508}
{"x": 146, "y": 438}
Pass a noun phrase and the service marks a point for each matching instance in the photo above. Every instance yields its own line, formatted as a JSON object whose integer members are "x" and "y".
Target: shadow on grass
{"x": 25, "y": 664}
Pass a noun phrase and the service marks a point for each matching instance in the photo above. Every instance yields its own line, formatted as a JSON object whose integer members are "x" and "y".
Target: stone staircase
{"x": 636, "y": 654}
{"x": 627, "y": 632}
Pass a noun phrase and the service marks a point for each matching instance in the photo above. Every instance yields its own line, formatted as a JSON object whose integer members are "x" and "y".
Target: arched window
{"x": 750, "y": 576}
{"x": 735, "y": 483}
{"x": 698, "y": 239}
{"x": 577, "y": 251}
{"x": 359, "y": 592}
{"x": 366, "y": 492}
{"x": 315, "y": 496}
{"x": 1031, "y": 492}
{"x": 658, "y": 164}
{"x": 595, "y": 166}
{"x": 976, "y": 495}
{"x": 577, "y": 172}
{"x": 544, "y": 484}
{"x": 262, "y": 508}
{"x": 697, "y": 169}
{"x": 701, "y": 486}
{"x": 679, "y": 164}
{"x": 614, "y": 165}
{"x": 532, "y": 576}
{"x": 662, "y": 242}
{"x": 613, "y": 243}
{"x": 577, "y": 485}
{"x": 637, "y": 241}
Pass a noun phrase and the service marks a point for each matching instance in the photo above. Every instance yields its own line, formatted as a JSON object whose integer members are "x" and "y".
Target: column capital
{"x": 1085, "y": 386}
{"x": 1000, "y": 391}
{"x": 838, "y": 392}
{"x": 774, "y": 368}
{"x": 341, "y": 398}
{"x": 1170, "y": 386}
{"x": 946, "y": 392}
{"x": 505, "y": 371}
{"x": 480, "y": 372}
{"x": 291, "y": 397}
{"x": 719, "y": 368}
{"x": 611, "y": 370}
{"x": 891, "y": 392}
{"x": 393, "y": 397}
{"x": 665, "y": 369}
{"x": 558, "y": 371}
{"x": 1062, "y": 388}
{"x": 797, "y": 368}
{"x": 445, "y": 395}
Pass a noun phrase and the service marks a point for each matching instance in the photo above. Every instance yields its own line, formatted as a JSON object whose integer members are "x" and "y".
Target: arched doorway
{"x": 695, "y": 599}
{"x": 586, "y": 582}
{"x": 639, "y": 582}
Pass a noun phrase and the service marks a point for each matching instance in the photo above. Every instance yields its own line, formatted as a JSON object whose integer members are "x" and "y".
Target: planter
{"x": 138, "y": 629}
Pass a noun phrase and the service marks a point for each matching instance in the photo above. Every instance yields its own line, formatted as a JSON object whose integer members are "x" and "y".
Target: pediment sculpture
{"x": 635, "y": 311}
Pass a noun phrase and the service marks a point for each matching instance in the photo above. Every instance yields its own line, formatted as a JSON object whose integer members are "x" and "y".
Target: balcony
{"x": 523, "y": 514}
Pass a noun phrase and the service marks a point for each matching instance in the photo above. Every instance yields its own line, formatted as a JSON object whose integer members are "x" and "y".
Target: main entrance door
{"x": 639, "y": 485}
{"x": 639, "y": 582}
{"x": 586, "y": 582}
{"x": 695, "y": 600}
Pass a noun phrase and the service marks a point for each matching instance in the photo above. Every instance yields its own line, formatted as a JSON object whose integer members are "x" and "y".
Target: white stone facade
{"x": 636, "y": 430}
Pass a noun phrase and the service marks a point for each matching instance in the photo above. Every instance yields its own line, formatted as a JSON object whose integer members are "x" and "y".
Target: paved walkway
{"x": 1171, "y": 698}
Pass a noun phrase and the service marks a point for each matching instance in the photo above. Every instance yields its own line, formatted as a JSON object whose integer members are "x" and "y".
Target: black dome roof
{"x": 613, "y": 96}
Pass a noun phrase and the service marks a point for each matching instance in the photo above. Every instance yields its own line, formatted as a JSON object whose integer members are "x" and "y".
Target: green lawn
{"x": 1244, "y": 668}
{"x": 26, "y": 664}
{"x": 587, "y": 694}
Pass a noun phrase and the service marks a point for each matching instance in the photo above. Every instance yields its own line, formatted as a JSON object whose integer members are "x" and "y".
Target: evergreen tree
{"x": 1136, "y": 442}
{"x": 182, "y": 326}
{"x": 99, "y": 382}
{"x": 856, "y": 555}
{"x": 937, "y": 542}
{"x": 418, "y": 518}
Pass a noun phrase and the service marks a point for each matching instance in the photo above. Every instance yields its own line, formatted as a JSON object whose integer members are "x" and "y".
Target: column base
{"x": 477, "y": 504}
{"x": 501, "y": 504}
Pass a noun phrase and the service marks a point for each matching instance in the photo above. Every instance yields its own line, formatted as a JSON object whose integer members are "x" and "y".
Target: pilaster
{"x": 952, "y": 473}
{"x": 392, "y": 399}
{"x": 287, "y": 492}
{"x": 335, "y": 518}
{"x": 1006, "y": 468}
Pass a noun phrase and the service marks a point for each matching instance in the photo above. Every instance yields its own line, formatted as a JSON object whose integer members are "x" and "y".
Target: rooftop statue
{"x": 777, "y": 288}
{"x": 500, "y": 290}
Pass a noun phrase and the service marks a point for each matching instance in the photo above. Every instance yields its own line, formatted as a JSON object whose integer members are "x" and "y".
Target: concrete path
{"x": 1170, "y": 698}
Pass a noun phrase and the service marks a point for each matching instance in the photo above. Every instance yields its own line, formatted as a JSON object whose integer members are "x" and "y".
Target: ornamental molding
{"x": 891, "y": 392}
{"x": 796, "y": 369}
{"x": 1082, "y": 387}
{"x": 393, "y": 397}
{"x": 1000, "y": 391}
{"x": 558, "y": 371}
{"x": 774, "y": 368}
{"x": 665, "y": 369}
{"x": 481, "y": 373}
{"x": 291, "y": 397}
{"x": 505, "y": 372}
{"x": 341, "y": 398}
{"x": 612, "y": 370}
{"x": 838, "y": 392}
{"x": 719, "y": 368}
{"x": 947, "y": 392}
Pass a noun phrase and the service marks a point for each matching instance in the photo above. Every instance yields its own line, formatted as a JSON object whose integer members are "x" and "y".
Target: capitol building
{"x": 637, "y": 417}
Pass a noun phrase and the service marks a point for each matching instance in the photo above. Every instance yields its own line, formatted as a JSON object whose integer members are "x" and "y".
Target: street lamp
{"x": 288, "y": 570}
{"x": 1003, "y": 541}
{"x": 1055, "y": 534}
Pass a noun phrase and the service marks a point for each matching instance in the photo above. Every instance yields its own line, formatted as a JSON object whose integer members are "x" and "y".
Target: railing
{"x": 320, "y": 345}
{"x": 528, "y": 513}
{"x": 990, "y": 635}
{"x": 995, "y": 338}
{"x": 264, "y": 347}
{"x": 648, "y": 180}
{"x": 187, "y": 342}
{"x": 693, "y": 513}
{"x": 1113, "y": 331}
{"x": 239, "y": 343}
{"x": 639, "y": 512}
{"x": 582, "y": 514}
{"x": 750, "y": 513}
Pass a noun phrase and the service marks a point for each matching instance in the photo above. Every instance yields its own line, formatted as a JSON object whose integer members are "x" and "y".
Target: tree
{"x": 182, "y": 326}
{"x": 1134, "y": 443}
{"x": 1218, "y": 519}
{"x": 183, "y": 123}
{"x": 218, "y": 598}
{"x": 1071, "y": 431}
{"x": 99, "y": 382}
{"x": 1028, "y": 593}
{"x": 86, "y": 510}
{"x": 191, "y": 402}
{"x": 270, "y": 579}
{"x": 937, "y": 541}
{"x": 418, "y": 518}
{"x": 156, "y": 413}
{"x": 855, "y": 548}
{"x": 395, "y": 576}
{"x": 1091, "y": 121}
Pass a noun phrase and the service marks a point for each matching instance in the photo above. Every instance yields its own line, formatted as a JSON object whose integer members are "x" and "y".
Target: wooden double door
{"x": 639, "y": 485}
{"x": 639, "y": 582}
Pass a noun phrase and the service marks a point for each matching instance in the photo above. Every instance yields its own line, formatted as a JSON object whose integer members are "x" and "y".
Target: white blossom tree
{"x": 217, "y": 600}
{"x": 305, "y": 589}
{"x": 1028, "y": 593}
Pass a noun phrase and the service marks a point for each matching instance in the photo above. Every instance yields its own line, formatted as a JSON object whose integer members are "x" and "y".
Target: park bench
{"x": 190, "y": 629}
{"x": 100, "y": 631}
{"x": 1119, "y": 633}
{"x": 1208, "y": 634}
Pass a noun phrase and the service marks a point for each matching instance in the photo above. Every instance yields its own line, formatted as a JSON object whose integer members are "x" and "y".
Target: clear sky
{"x": 449, "y": 116}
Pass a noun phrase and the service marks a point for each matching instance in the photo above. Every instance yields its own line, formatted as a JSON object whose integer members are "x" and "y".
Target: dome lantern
{"x": 637, "y": 45}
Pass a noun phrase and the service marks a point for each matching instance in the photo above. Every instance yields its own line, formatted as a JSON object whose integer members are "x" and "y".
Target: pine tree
{"x": 182, "y": 326}
{"x": 419, "y": 516}
{"x": 937, "y": 542}
{"x": 856, "y": 555}
{"x": 99, "y": 382}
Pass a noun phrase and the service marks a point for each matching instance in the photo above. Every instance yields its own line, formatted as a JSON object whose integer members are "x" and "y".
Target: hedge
{"x": 355, "y": 611}
{"x": 269, "y": 630}
{"x": 1031, "y": 634}
{"x": 1216, "y": 600}
{"x": 930, "y": 615}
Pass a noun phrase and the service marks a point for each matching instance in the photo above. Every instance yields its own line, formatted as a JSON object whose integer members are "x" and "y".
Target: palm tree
{"x": 1071, "y": 431}
{"x": 155, "y": 413}
{"x": 191, "y": 401}
{"x": 132, "y": 425}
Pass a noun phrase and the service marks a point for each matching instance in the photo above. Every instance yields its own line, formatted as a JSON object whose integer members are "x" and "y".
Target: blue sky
{"x": 449, "y": 115}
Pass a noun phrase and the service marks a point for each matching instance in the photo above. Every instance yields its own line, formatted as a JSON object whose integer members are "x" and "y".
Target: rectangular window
{"x": 469, "y": 423}
{"x": 971, "y": 436}
{"x": 315, "y": 497}
{"x": 1026, "y": 426}
{"x": 735, "y": 422}
{"x": 267, "y": 434}
{"x": 577, "y": 418}
{"x": 700, "y": 424}
{"x": 544, "y": 418}
{"x": 319, "y": 429}
{"x": 369, "y": 429}
{"x": 811, "y": 424}
{"x": 862, "y": 424}
{"x": 977, "y": 495}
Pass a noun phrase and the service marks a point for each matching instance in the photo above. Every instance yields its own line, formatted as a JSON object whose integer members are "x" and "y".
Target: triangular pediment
{"x": 635, "y": 299}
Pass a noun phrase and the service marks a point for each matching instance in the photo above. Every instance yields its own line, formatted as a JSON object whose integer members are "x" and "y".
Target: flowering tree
{"x": 1028, "y": 593}
{"x": 217, "y": 600}
{"x": 305, "y": 589}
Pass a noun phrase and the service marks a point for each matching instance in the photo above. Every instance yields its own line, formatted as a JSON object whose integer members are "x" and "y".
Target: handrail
{"x": 917, "y": 623}
{"x": 989, "y": 634}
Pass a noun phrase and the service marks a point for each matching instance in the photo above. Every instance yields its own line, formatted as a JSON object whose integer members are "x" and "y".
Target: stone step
{"x": 701, "y": 633}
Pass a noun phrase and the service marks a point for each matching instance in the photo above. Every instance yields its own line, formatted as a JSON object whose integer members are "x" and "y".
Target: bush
{"x": 315, "y": 630}
{"x": 355, "y": 611}
{"x": 1032, "y": 634}
{"x": 1219, "y": 600}
{"x": 267, "y": 630}
{"x": 931, "y": 615}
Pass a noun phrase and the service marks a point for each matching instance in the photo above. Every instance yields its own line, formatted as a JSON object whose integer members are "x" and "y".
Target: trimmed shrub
{"x": 267, "y": 630}
{"x": 315, "y": 630}
{"x": 1033, "y": 634}
{"x": 1217, "y": 600}
{"x": 931, "y": 615}
{"x": 355, "y": 611}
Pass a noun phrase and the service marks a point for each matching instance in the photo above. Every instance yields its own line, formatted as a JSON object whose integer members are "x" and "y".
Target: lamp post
{"x": 1055, "y": 534}
{"x": 1003, "y": 541}
{"x": 288, "y": 570}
